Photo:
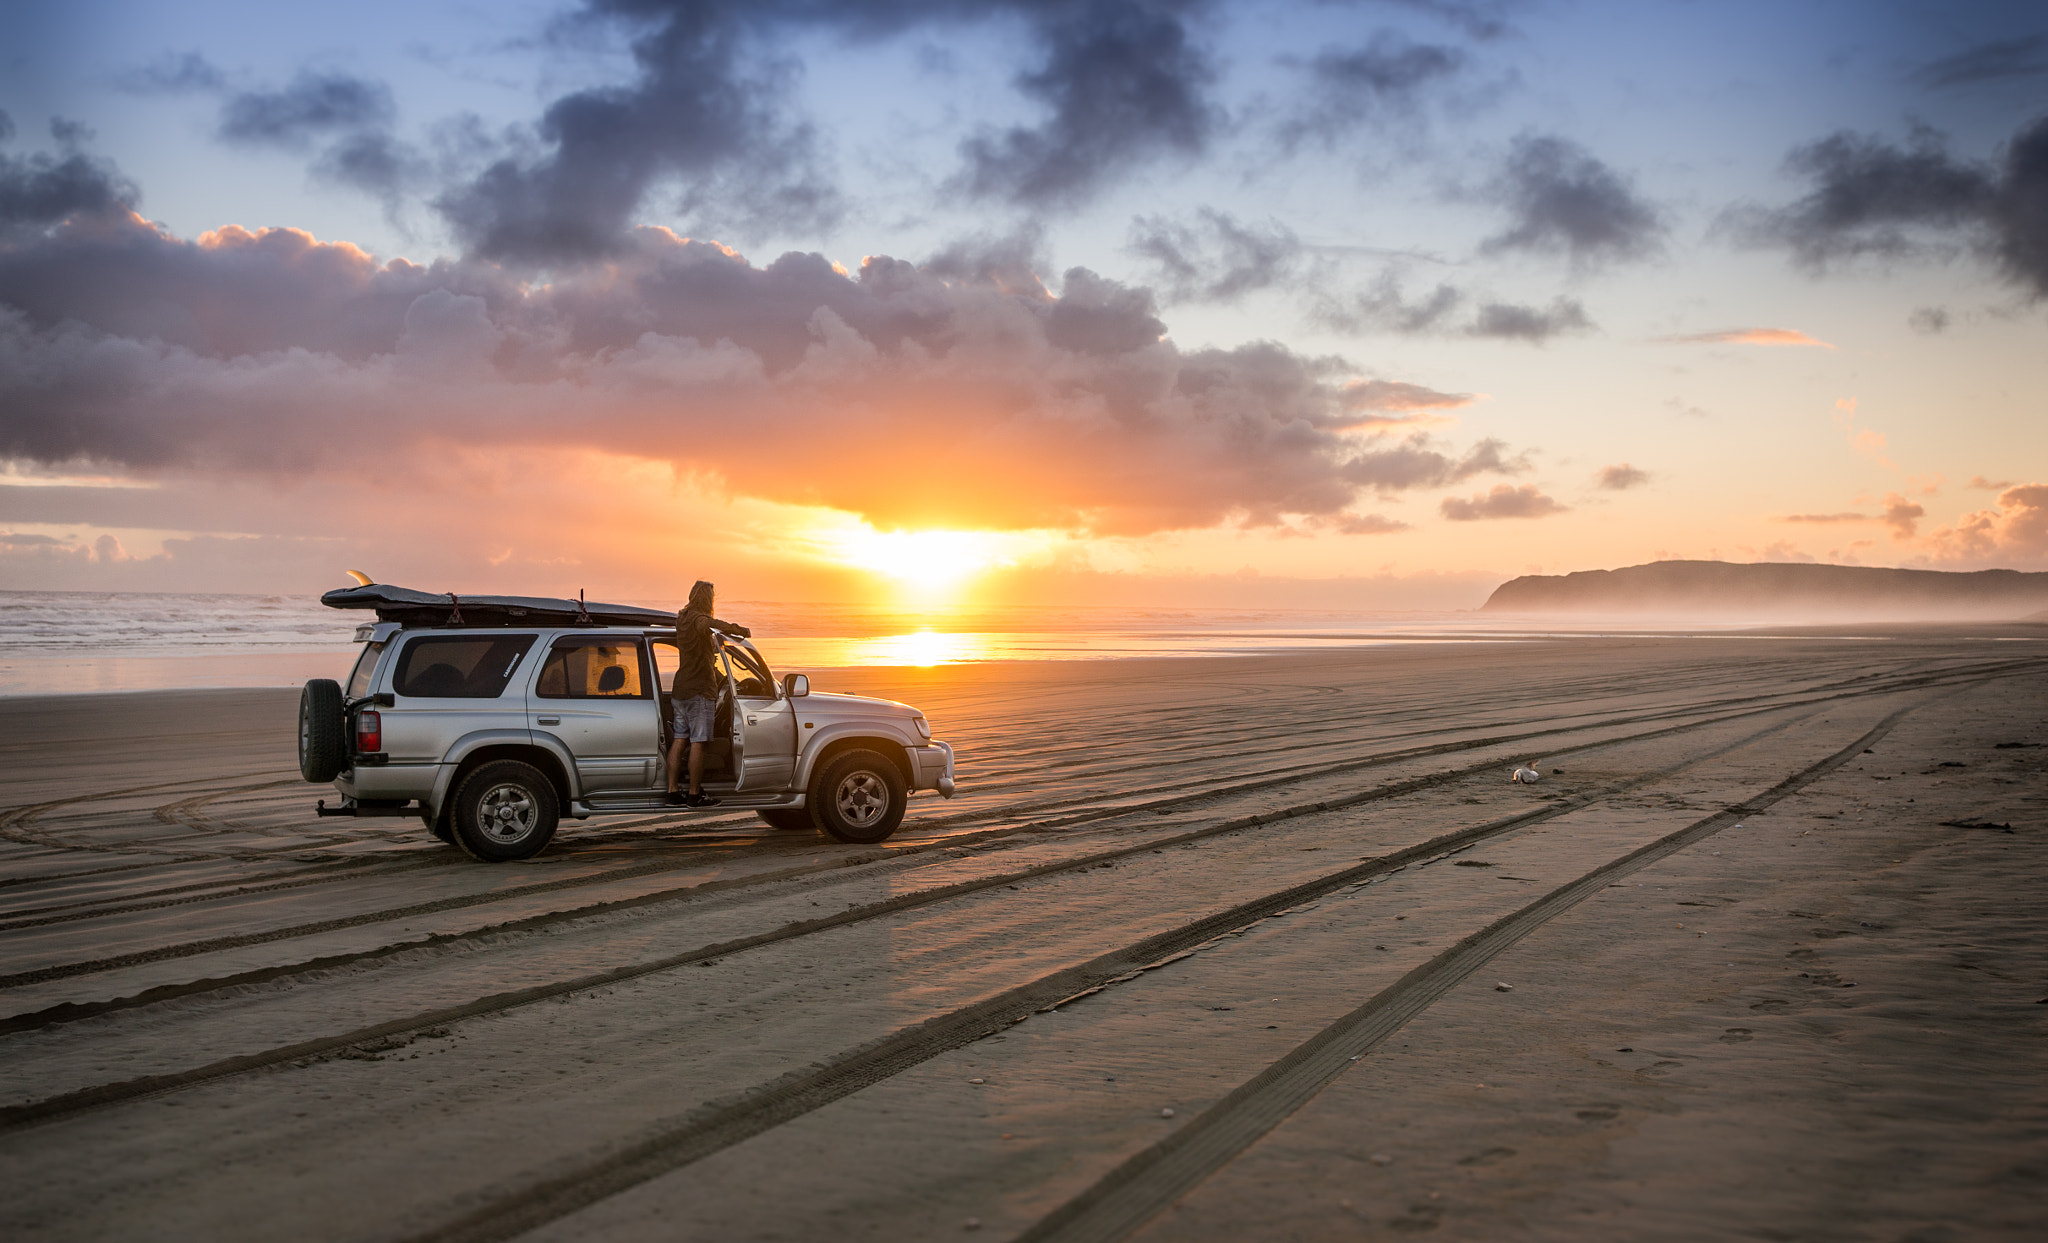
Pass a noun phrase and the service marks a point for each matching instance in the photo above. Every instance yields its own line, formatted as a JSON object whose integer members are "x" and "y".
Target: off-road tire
{"x": 323, "y": 731}
{"x": 789, "y": 819}
{"x": 505, "y": 810}
{"x": 858, "y": 797}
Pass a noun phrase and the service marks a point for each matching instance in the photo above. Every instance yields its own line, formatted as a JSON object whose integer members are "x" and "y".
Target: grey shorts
{"x": 693, "y": 717}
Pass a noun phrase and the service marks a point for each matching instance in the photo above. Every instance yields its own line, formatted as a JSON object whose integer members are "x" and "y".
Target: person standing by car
{"x": 694, "y": 694}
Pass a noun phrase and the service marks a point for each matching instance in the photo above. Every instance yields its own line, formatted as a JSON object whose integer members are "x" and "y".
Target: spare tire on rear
{"x": 323, "y": 731}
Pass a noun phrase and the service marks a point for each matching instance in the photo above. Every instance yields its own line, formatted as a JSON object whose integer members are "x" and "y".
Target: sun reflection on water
{"x": 922, "y": 647}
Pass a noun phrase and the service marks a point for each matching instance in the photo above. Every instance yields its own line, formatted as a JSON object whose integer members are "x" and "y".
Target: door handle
{"x": 549, "y": 720}
{"x": 752, "y": 721}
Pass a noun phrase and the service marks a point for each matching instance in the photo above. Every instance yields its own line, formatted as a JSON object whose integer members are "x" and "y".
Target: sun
{"x": 928, "y": 561}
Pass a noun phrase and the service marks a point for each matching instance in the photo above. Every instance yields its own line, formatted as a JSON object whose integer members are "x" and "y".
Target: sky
{"x": 1069, "y": 302}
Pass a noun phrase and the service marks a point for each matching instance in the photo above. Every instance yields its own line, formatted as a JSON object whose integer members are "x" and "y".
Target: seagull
{"x": 1526, "y": 775}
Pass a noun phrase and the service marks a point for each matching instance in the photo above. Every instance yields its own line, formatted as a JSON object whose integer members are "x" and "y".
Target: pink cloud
{"x": 1751, "y": 336}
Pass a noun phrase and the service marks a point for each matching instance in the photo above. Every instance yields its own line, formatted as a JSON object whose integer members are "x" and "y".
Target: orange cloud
{"x": 1751, "y": 336}
{"x": 2012, "y": 533}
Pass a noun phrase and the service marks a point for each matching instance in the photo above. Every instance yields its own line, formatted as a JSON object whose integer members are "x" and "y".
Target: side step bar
{"x": 349, "y": 807}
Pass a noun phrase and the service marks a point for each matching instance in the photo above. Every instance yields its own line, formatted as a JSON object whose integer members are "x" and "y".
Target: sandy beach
{"x": 1253, "y": 948}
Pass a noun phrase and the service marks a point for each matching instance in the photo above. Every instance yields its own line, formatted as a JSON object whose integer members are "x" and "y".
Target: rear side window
{"x": 593, "y": 668}
{"x": 459, "y": 666}
{"x": 366, "y": 670}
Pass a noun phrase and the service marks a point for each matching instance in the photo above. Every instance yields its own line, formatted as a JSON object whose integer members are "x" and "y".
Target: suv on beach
{"x": 490, "y": 733}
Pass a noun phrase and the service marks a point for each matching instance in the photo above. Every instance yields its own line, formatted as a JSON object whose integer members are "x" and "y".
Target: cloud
{"x": 1535, "y": 325}
{"x": 2014, "y": 532}
{"x": 1987, "y": 485}
{"x": 314, "y": 105}
{"x": 1828, "y": 519}
{"x": 1873, "y": 198}
{"x": 1396, "y": 401}
{"x": 1901, "y": 515}
{"x": 1367, "y": 524}
{"x": 1386, "y": 307}
{"x": 1504, "y": 501}
{"x": 1562, "y": 200}
{"x": 1621, "y": 477}
{"x": 1385, "y": 78}
{"x": 170, "y": 74}
{"x": 1124, "y": 83}
{"x": 703, "y": 108}
{"x": 1930, "y": 320}
{"x": 1751, "y": 336}
{"x": 42, "y": 188}
{"x": 893, "y": 392}
{"x": 2022, "y": 57}
{"x": 1216, "y": 258}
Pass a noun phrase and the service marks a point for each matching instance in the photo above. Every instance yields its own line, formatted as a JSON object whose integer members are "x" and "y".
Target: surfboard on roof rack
{"x": 427, "y": 608}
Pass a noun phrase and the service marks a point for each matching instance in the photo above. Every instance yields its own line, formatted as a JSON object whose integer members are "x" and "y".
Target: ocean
{"x": 58, "y": 642}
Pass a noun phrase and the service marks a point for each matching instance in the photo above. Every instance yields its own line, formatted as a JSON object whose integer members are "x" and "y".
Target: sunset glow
{"x": 1380, "y": 305}
{"x": 928, "y": 563}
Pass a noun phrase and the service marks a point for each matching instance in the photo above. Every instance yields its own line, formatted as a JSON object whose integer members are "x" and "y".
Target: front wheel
{"x": 858, "y": 797}
{"x": 505, "y": 810}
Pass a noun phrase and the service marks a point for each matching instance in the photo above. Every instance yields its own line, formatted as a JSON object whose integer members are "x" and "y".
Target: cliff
{"x": 1778, "y": 590}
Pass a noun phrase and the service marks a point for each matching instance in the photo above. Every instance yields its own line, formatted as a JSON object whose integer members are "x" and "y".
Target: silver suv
{"x": 490, "y": 733}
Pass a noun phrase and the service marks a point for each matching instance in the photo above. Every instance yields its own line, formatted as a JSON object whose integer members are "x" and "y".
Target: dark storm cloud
{"x": 1388, "y": 77}
{"x": 313, "y": 106}
{"x": 1216, "y": 258}
{"x": 1125, "y": 83}
{"x": 1871, "y": 197}
{"x": 894, "y": 392}
{"x": 1563, "y": 200}
{"x": 1504, "y": 501}
{"x": 2022, "y": 57}
{"x": 41, "y": 188}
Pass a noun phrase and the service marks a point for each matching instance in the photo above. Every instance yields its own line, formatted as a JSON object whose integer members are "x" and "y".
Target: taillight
{"x": 369, "y": 732}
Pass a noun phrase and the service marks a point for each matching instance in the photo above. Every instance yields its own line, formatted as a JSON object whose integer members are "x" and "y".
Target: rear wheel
{"x": 323, "y": 731}
{"x": 505, "y": 810}
{"x": 788, "y": 819}
{"x": 858, "y": 797}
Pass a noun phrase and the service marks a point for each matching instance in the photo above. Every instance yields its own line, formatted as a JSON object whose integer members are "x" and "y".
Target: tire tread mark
{"x": 1146, "y": 1183}
{"x": 60, "y": 971}
{"x": 67, "y": 1012}
{"x": 720, "y": 1126}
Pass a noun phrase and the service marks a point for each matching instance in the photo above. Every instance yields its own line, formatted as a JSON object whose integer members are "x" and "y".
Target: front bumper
{"x": 932, "y": 766}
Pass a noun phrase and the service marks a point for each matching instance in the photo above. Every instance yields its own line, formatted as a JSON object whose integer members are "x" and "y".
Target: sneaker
{"x": 699, "y": 800}
{"x": 676, "y": 798}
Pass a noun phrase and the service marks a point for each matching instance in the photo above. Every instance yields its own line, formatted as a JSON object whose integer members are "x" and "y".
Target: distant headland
{"x": 1779, "y": 591}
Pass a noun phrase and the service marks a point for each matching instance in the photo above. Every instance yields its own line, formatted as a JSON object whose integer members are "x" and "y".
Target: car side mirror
{"x": 795, "y": 685}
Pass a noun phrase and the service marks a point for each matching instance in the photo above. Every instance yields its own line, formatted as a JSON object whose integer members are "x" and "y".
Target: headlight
{"x": 924, "y": 728}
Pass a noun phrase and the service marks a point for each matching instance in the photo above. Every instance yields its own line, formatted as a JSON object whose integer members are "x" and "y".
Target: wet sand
{"x": 1251, "y": 948}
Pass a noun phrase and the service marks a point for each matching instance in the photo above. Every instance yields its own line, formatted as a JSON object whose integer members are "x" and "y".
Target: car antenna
{"x": 583, "y": 617}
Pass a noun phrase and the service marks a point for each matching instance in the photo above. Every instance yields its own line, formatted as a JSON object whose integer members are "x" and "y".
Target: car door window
{"x": 593, "y": 668}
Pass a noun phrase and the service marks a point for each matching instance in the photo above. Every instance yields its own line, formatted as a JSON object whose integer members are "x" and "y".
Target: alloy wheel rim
{"x": 862, "y": 799}
{"x": 507, "y": 813}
